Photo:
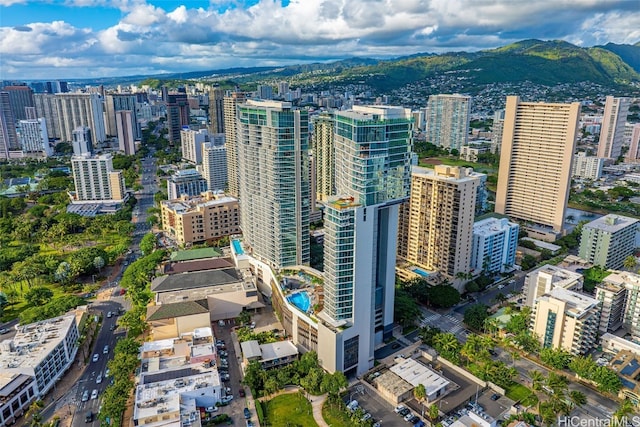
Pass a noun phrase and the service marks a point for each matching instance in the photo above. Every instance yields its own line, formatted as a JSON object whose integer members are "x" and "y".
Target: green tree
{"x": 577, "y": 398}
{"x": 448, "y": 346}
{"x": 427, "y": 333}
{"x": 34, "y": 414}
{"x": 625, "y": 409}
{"x": 420, "y": 394}
{"x": 405, "y": 309}
{"x": 38, "y": 296}
{"x": 443, "y": 296}
{"x": 556, "y": 358}
{"x": 582, "y": 365}
{"x": 630, "y": 263}
{"x": 433, "y": 412}
{"x": 475, "y": 316}
{"x": 148, "y": 243}
{"x": 98, "y": 262}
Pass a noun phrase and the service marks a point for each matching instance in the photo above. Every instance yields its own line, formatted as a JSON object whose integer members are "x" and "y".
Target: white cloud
{"x": 228, "y": 34}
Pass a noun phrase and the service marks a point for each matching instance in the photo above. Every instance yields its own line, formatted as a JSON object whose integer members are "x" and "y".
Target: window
{"x": 351, "y": 352}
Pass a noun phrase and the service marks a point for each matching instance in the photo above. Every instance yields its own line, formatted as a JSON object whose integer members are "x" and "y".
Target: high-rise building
{"x": 587, "y": 167}
{"x": 177, "y": 115}
{"x": 566, "y": 320}
{"x": 95, "y": 179}
{"x": 612, "y": 294}
{"x": 543, "y": 279}
{"x": 216, "y": 111}
{"x": 80, "y": 109}
{"x": 8, "y": 135}
{"x": 121, "y": 102}
{"x": 283, "y": 88}
{"x": 373, "y": 150}
{"x": 231, "y": 102}
{"x": 209, "y": 217}
{"x": 494, "y": 245}
{"x": 273, "y": 160}
{"x": 608, "y": 240}
{"x": 535, "y": 164}
{"x": 324, "y": 155}
{"x": 20, "y": 97}
{"x": 447, "y": 121}
{"x": 191, "y": 141}
{"x": 46, "y": 107}
{"x": 185, "y": 182}
{"x": 265, "y": 92}
{"x": 439, "y": 233}
{"x": 633, "y": 155}
{"x": 125, "y": 126}
{"x": 214, "y": 162}
{"x": 82, "y": 141}
{"x": 612, "y": 131}
{"x": 34, "y": 137}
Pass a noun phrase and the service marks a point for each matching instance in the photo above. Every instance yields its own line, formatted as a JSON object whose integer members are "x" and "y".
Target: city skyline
{"x": 84, "y": 39}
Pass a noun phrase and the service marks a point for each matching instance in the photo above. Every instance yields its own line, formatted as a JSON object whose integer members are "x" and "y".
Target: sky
{"x": 67, "y": 39}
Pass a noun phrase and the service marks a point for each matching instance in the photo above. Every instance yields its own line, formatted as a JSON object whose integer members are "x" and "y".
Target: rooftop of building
{"x": 394, "y": 384}
{"x": 620, "y": 278}
{"x": 33, "y": 342}
{"x": 416, "y": 373}
{"x": 177, "y": 309}
{"x": 343, "y": 202}
{"x": 197, "y": 265}
{"x": 10, "y": 382}
{"x": 559, "y": 275}
{"x": 543, "y": 245}
{"x": 446, "y": 173}
{"x": 489, "y": 226}
{"x": 193, "y": 254}
{"x": 191, "y": 204}
{"x": 269, "y": 351}
{"x": 225, "y": 280}
{"x": 611, "y": 223}
{"x": 185, "y": 174}
{"x": 627, "y": 366}
{"x": 264, "y": 103}
{"x": 577, "y": 303}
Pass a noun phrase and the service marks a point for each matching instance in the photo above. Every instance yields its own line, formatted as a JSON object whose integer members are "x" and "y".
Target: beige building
{"x": 538, "y": 141}
{"x": 95, "y": 179}
{"x": 543, "y": 279}
{"x": 206, "y": 218}
{"x": 567, "y": 320}
{"x": 231, "y": 103}
{"x": 436, "y": 232}
{"x": 612, "y": 130}
{"x": 174, "y": 319}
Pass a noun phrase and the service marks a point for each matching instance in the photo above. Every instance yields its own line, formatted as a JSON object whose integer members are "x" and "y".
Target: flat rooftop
{"x": 192, "y": 254}
{"x": 198, "y": 279}
{"x": 33, "y": 342}
{"x": 197, "y": 265}
{"x": 194, "y": 204}
{"x": 578, "y": 303}
{"x": 416, "y": 373}
{"x": 611, "y": 223}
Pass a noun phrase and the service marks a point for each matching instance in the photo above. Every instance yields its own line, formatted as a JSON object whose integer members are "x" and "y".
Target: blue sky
{"x": 66, "y": 39}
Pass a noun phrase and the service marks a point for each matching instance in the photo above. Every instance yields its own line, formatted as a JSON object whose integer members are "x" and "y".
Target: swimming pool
{"x": 421, "y": 272}
{"x": 237, "y": 247}
{"x": 301, "y": 300}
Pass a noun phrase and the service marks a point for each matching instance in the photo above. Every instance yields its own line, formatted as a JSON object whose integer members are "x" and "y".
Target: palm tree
{"x": 630, "y": 263}
{"x": 420, "y": 393}
{"x": 537, "y": 379}
{"x": 447, "y": 342}
{"x": 577, "y": 398}
{"x": 557, "y": 383}
{"x": 491, "y": 326}
{"x": 433, "y": 412}
{"x": 626, "y": 408}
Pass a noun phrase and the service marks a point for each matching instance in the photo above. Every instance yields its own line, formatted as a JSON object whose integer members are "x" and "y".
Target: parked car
{"x": 227, "y": 399}
{"x": 352, "y": 405}
{"x": 408, "y": 416}
{"x": 85, "y": 395}
{"x": 99, "y": 379}
{"x": 404, "y": 412}
{"x": 495, "y": 396}
{"x": 3, "y": 331}
{"x": 366, "y": 417}
{"x": 109, "y": 315}
{"x": 414, "y": 419}
{"x": 211, "y": 409}
{"x": 399, "y": 408}
{"x": 247, "y": 413}
{"x": 88, "y": 417}
{"x": 94, "y": 394}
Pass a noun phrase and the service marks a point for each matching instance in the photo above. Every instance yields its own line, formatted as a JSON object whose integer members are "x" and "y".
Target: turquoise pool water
{"x": 421, "y": 272}
{"x": 301, "y": 300}
{"x": 237, "y": 247}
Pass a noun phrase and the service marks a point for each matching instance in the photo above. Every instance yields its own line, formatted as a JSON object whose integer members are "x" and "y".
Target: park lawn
{"x": 290, "y": 409}
{"x": 335, "y": 416}
{"x": 518, "y": 392}
{"x": 12, "y": 311}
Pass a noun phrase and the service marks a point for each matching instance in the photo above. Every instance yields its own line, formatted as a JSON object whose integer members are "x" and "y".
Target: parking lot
{"x": 380, "y": 409}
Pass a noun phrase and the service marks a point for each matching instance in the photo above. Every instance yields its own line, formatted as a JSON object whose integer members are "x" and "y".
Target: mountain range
{"x": 539, "y": 62}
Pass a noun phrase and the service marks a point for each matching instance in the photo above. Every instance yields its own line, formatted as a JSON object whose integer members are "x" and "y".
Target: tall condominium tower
{"x": 185, "y": 181}
{"x": 8, "y": 135}
{"x": 191, "y": 142}
{"x": 496, "y": 131}
{"x": 34, "y": 137}
{"x": 82, "y": 141}
{"x": 46, "y": 107}
{"x": 125, "y": 128}
{"x": 273, "y": 159}
{"x": 231, "y": 102}
{"x": 177, "y": 115}
{"x": 216, "y": 111}
{"x": 372, "y": 150}
{"x": 118, "y": 102}
{"x": 612, "y": 130}
{"x": 324, "y": 155}
{"x": 447, "y": 121}
{"x": 440, "y": 225}
{"x": 535, "y": 164}
{"x": 20, "y": 97}
{"x": 214, "y": 162}
{"x": 633, "y": 155}
{"x": 95, "y": 179}
{"x": 80, "y": 109}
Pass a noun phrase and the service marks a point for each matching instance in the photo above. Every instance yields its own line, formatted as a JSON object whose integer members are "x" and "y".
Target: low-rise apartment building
{"x": 208, "y": 217}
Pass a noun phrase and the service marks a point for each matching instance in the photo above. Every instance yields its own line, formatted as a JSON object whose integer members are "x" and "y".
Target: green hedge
{"x": 260, "y": 412}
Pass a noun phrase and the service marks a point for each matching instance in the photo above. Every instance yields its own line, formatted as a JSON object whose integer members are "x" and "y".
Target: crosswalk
{"x": 447, "y": 322}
